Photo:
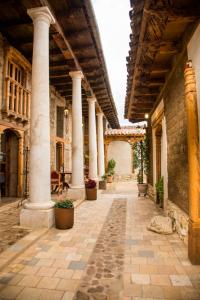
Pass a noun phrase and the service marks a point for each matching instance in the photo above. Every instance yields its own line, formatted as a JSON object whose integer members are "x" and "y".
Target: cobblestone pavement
{"x": 56, "y": 266}
{"x": 10, "y": 231}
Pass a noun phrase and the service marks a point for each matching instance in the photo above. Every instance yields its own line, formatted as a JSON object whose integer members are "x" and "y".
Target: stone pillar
{"x": 101, "y": 160}
{"x": 20, "y": 166}
{"x": 194, "y": 165}
{"x": 38, "y": 210}
{"x": 77, "y": 131}
{"x": 92, "y": 135}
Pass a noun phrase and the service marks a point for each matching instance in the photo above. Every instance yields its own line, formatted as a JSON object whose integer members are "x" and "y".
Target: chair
{"x": 56, "y": 183}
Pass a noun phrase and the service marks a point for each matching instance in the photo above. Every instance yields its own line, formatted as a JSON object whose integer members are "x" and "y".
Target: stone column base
{"x": 194, "y": 242}
{"x": 39, "y": 218}
{"x": 76, "y": 193}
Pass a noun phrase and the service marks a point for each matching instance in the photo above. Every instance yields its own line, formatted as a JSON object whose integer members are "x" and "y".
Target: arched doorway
{"x": 9, "y": 164}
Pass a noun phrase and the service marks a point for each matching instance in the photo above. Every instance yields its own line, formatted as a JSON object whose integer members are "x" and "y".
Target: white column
{"x": 77, "y": 131}
{"x": 92, "y": 139}
{"x": 101, "y": 161}
{"x": 40, "y": 197}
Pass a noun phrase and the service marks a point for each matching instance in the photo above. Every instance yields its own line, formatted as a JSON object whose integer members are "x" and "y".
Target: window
{"x": 60, "y": 121}
{"x": 17, "y": 93}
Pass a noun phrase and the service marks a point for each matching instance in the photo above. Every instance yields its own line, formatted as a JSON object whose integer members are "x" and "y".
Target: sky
{"x": 114, "y": 26}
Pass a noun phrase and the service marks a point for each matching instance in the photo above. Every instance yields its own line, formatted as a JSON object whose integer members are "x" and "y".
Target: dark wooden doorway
{"x": 9, "y": 145}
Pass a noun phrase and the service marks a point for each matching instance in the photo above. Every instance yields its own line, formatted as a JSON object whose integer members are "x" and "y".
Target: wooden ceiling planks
{"x": 74, "y": 45}
{"x": 158, "y": 31}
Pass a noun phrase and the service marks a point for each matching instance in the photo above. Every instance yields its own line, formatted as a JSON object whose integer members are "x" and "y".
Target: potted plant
{"x": 111, "y": 170}
{"x": 102, "y": 183}
{"x": 160, "y": 191}
{"x": 91, "y": 189}
{"x": 64, "y": 214}
{"x": 141, "y": 161}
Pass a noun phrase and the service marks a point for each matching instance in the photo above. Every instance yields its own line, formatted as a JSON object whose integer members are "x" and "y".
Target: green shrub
{"x": 160, "y": 190}
{"x": 64, "y": 204}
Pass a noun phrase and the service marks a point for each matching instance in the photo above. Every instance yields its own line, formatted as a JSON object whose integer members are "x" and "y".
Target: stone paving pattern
{"x": 103, "y": 278}
{"x": 10, "y": 231}
{"x": 155, "y": 266}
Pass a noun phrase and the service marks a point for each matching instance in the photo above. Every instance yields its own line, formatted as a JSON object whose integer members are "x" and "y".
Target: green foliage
{"x": 111, "y": 167}
{"x": 141, "y": 158}
{"x": 104, "y": 177}
{"x": 64, "y": 204}
{"x": 140, "y": 178}
{"x": 111, "y": 164}
{"x": 160, "y": 190}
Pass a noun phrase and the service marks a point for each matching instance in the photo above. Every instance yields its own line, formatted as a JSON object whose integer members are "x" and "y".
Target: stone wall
{"x": 180, "y": 220}
{"x": 58, "y": 101}
{"x": 176, "y": 125}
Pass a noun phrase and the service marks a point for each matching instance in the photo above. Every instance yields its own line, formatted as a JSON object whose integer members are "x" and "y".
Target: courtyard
{"x": 108, "y": 254}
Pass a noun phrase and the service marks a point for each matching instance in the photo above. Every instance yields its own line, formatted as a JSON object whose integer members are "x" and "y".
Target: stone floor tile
{"x": 69, "y": 285}
{"x": 77, "y": 265}
{"x": 189, "y": 293}
{"x": 29, "y": 270}
{"x": 45, "y": 262}
{"x": 180, "y": 280}
{"x": 48, "y": 283}
{"x": 166, "y": 270}
{"x": 152, "y": 291}
{"x": 16, "y": 278}
{"x": 46, "y": 271}
{"x": 10, "y": 292}
{"x": 148, "y": 269}
{"x": 171, "y": 292}
{"x": 29, "y": 281}
{"x": 161, "y": 280}
{"x": 64, "y": 273}
{"x": 51, "y": 295}
{"x": 77, "y": 274}
{"x": 68, "y": 296}
{"x": 133, "y": 290}
{"x": 29, "y": 294}
{"x": 145, "y": 253}
{"x": 140, "y": 278}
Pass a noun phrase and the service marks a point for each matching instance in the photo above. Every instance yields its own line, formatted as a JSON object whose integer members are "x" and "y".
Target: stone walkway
{"x": 108, "y": 254}
{"x": 10, "y": 231}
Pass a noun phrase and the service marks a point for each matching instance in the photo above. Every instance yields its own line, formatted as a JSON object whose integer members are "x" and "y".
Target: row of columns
{"x": 38, "y": 210}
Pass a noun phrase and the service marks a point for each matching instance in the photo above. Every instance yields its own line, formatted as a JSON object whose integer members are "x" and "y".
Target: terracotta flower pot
{"x": 91, "y": 194}
{"x": 64, "y": 218}
{"x": 109, "y": 179}
{"x": 142, "y": 189}
{"x": 102, "y": 185}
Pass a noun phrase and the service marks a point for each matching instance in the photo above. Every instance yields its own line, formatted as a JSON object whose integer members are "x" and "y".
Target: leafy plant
{"x": 160, "y": 190}
{"x": 90, "y": 184}
{"x": 141, "y": 158}
{"x": 111, "y": 164}
{"x": 64, "y": 204}
{"x": 111, "y": 167}
{"x": 104, "y": 177}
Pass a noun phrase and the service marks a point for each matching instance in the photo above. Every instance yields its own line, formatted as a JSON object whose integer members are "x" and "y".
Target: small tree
{"x": 141, "y": 158}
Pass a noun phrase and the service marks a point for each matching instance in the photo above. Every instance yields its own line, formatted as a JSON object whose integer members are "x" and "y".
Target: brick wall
{"x": 177, "y": 139}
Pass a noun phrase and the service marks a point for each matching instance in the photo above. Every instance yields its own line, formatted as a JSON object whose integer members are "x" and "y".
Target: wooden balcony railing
{"x": 17, "y": 100}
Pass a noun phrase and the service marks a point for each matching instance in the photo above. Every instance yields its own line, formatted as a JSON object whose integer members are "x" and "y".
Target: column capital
{"x": 100, "y": 114}
{"x": 41, "y": 13}
{"x": 91, "y": 99}
{"x": 76, "y": 74}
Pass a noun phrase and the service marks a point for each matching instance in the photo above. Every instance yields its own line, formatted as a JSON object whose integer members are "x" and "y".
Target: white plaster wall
{"x": 194, "y": 54}
{"x": 121, "y": 152}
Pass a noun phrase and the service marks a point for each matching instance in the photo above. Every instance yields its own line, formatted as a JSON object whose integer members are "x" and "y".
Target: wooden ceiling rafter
{"x": 153, "y": 46}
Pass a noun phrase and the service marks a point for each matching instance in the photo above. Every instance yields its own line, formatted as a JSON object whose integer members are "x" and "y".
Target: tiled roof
{"x": 126, "y": 130}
